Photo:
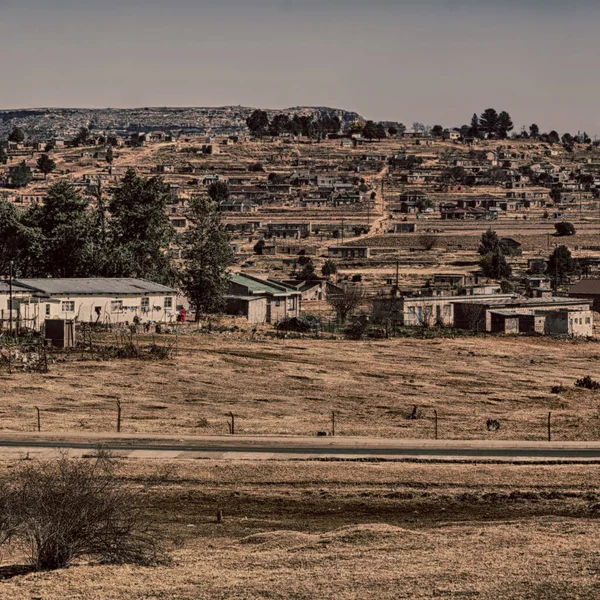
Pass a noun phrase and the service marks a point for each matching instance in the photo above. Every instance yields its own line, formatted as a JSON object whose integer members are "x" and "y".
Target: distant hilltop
{"x": 46, "y": 123}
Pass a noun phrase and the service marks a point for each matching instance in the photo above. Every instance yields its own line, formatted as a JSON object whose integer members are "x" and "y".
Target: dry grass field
{"x": 290, "y": 386}
{"x": 339, "y": 530}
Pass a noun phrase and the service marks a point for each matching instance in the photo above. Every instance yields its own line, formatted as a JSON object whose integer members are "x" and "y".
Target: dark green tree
{"x": 64, "y": 223}
{"x": 140, "y": 230}
{"x": 474, "y": 128}
{"x": 494, "y": 265}
{"x": 258, "y": 122}
{"x": 561, "y": 265}
{"x": 488, "y": 122}
{"x": 82, "y": 137}
{"x": 393, "y": 131}
{"x": 16, "y": 135}
{"x": 110, "y": 155}
{"x": 437, "y": 131}
{"x": 565, "y": 228}
{"x": 553, "y": 137}
{"x": 206, "y": 257}
{"x": 218, "y": 191}
{"x": 45, "y": 164}
{"x": 329, "y": 268}
{"x": 3, "y": 156}
{"x": 534, "y": 131}
{"x": 21, "y": 175}
{"x": 505, "y": 125}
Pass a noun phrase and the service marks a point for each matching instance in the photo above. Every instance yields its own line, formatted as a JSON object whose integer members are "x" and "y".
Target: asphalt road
{"x": 247, "y": 447}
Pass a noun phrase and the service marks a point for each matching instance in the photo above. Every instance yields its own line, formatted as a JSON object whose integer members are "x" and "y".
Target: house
{"x": 412, "y": 201}
{"x": 17, "y": 292}
{"x": 348, "y": 252}
{"x": 451, "y": 135}
{"x": 261, "y": 301}
{"x": 99, "y": 300}
{"x": 311, "y": 289}
{"x": 587, "y": 289}
{"x": 405, "y": 227}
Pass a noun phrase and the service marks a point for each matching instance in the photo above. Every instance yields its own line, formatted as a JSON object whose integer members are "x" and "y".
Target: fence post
{"x": 333, "y": 422}
{"x": 39, "y": 425}
{"x": 118, "y": 416}
{"x": 232, "y": 424}
{"x": 549, "y": 427}
{"x": 436, "y": 423}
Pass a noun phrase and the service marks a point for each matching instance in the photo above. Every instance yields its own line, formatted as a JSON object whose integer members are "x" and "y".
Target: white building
{"x": 95, "y": 300}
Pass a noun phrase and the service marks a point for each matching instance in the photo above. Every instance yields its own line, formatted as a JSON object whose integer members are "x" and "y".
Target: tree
{"x": 329, "y": 268}
{"x": 206, "y": 257}
{"x": 66, "y": 509}
{"x": 561, "y": 265}
{"x": 505, "y": 125}
{"x": 16, "y": 135}
{"x": 553, "y": 137}
{"x": 64, "y": 224}
{"x": 374, "y": 130}
{"x": 474, "y": 128}
{"x": 393, "y": 131}
{"x": 568, "y": 142}
{"x": 110, "y": 155}
{"x": 45, "y": 164}
{"x": 488, "y": 122}
{"x": 437, "y": 131}
{"x": 490, "y": 242}
{"x": 82, "y": 137}
{"x": 218, "y": 191}
{"x": 308, "y": 271}
{"x": 12, "y": 240}
{"x": 564, "y": 228}
{"x": 494, "y": 265}
{"x": 258, "y": 122}
{"x": 21, "y": 175}
{"x": 534, "y": 131}
{"x": 3, "y": 156}
{"x": 345, "y": 300}
{"x": 140, "y": 230}
{"x": 259, "y": 246}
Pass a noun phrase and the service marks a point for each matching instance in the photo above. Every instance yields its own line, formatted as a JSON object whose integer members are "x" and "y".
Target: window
{"x": 277, "y": 302}
{"x": 291, "y": 303}
{"x": 47, "y": 310}
{"x": 116, "y": 305}
{"x": 145, "y": 304}
{"x": 68, "y": 306}
{"x": 587, "y": 320}
{"x": 168, "y": 302}
{"x": 447, "y": 311}
{"x": 411, "y": 310}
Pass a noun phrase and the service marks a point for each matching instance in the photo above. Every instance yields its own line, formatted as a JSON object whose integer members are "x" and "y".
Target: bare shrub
{"x": 493, "y": 425}
{"x": 428, "y": 241}
{"x": 587, "y": 383}
{"x": 66, "y": 509}
{"x": 345, "y": 300}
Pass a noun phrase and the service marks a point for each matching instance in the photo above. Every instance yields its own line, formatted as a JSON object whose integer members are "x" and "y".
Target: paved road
{"x": 257, "y": 447}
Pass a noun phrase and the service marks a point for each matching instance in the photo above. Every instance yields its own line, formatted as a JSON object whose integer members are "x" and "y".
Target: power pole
{"x": 10, "y": 299}
{"x": 342, "y": 232}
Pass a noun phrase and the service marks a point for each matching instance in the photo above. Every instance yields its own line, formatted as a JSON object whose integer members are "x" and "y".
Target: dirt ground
{"x": 305, "y": 530}
{"x": 290, "y": 386}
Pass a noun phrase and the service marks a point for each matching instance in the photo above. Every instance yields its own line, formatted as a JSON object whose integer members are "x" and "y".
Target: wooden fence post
{"x": 549, "y": 427}
{"x": 232, "y": 424}
{"x": 436, "y": 423}
{"x": 333, "y": 422}
{"x": 39, "y": 425}
{"x": 118, "y": 416}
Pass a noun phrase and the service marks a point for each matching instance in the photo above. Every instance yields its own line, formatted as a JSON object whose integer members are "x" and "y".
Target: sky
{"x": 432, "y": 61}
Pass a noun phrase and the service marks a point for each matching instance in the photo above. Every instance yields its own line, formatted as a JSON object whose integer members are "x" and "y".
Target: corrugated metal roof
{"x": 4, "y": 288}
{"x": 256, "y": 285}
{"x": 586, "y": 286}
{"x": 95, "y": 286}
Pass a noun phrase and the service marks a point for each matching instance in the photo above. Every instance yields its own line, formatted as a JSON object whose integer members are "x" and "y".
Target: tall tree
{"x": 534, "y": 131}
{"x": 488, "y": 122}
{"x": 64, "y": 223}
{"x": 206, "y": 256}
{"x": 140, "y": 230}
{"x": 561, "y": 265}
{"x": 490, "y": 242}
{"x": 46, "y": 165}
{"x": 494, "y": 265}
{"x": 110, "y": 155}
{"x": 474, "y": 129}
{"x": 505, "y": 125}
{"x": 553, "y": 137}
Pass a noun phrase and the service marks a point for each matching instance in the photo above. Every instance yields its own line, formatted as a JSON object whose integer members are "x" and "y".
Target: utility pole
{"x": 10, "y": 299}
{"x": 342, "y": 232}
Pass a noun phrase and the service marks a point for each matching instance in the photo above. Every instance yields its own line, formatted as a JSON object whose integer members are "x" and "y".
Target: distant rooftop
{"x": 95, "y": 286}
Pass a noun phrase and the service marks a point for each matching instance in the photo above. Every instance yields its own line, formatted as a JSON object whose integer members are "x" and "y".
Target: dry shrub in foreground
{"x": 66, "y": 509}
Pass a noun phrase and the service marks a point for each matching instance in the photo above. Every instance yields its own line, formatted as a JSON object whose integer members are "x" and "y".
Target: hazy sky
{"x": 434, "y": 61}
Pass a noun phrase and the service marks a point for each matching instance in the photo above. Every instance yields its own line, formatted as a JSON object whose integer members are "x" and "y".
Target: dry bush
{"x": 346, "y": 300}
{"x": 66, "y": 509}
